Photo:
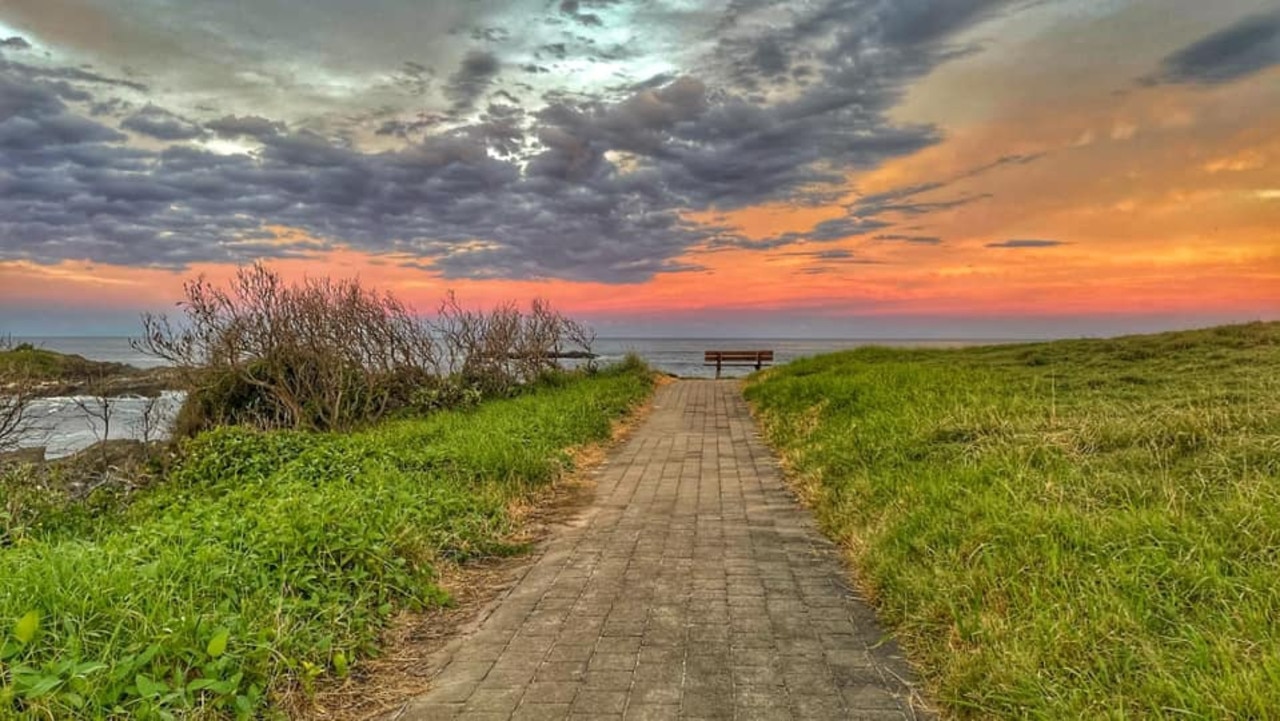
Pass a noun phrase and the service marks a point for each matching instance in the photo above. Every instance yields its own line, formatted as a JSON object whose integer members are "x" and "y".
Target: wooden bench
{"x": 720, "y": 358}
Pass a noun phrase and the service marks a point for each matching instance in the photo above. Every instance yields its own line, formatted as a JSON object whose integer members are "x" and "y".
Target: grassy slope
{"x": 1080, "y": 529}
{"x": 38, "y": 364}
{"x": 295, "y": 548}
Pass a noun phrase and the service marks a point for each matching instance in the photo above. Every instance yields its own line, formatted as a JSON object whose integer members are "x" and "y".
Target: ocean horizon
{"x": 681, "y": 356}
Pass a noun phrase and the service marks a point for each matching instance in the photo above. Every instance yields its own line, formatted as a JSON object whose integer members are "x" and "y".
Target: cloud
{"x": 770, "y": 59}
{"x": 248, "y": 126}
{"x": 15, "y": 43}
{"x": 833, "y": 254}
{"x": 868, "y": 214}
{"x": 1026, "y": 243}
{"x": 593, "y": 186}
{"x": 915, "y": 239}
{"x": 834, "y": 264}
{"x": 161, "y": 124}
{"x": 1002, "y": 161}
{"x": 836, "y": 229}
{"x": 73, "y": 83}
{"x": 35, "y": 119}
{"x": 878, "y": 211}
{"x": 472, "y": 78}
{"x": 1242, "y": 49}
{"x": 404, "y": 128}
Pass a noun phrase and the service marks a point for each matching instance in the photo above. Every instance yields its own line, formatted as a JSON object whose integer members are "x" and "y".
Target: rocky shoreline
{"x": 34, "y": 372}
{"x": 125, "y": 380}
{"x": 70, "y": 403}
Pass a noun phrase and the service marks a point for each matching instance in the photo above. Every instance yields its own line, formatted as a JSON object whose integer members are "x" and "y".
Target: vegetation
{"x": 28, "y": 372}
{"x": 41, "y": 365}
{"x": 15, "y": 390}
{"x": 1079, "y": 529}
{"x": 335, "y": 452}
{"x": 268, "y": 559}
{"x": 333, "y": 354}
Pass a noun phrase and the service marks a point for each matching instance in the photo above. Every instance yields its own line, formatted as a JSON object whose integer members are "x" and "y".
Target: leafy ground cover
{"x": 1077, "y": 529}
{"x": 271, "y": 559}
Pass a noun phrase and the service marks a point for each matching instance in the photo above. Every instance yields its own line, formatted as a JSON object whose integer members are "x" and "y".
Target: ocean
{"x": 680, "y": 356}
{"x": 62, "y": 427}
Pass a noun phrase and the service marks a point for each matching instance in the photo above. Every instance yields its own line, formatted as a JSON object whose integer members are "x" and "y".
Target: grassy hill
{"x": 47, "y": 365}
{"x": 1076, "y": 529}
{"x": 267, "y": 560}
{"x": 48, "y": 373}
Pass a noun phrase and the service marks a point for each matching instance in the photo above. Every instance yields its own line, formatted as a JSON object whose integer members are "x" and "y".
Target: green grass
{"x": 38, "y": 364}
{"x": 1078, "y": 529}
{"x": 271, "y": 559}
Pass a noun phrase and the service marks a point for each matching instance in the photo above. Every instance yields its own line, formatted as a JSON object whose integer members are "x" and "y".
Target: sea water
{"x": 62, "y": 426}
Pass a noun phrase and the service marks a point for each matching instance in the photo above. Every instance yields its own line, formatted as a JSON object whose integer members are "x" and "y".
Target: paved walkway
{"x": 695, "y": 587}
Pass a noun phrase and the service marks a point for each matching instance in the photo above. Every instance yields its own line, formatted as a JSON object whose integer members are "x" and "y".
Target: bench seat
{"x": 721, "y": 358}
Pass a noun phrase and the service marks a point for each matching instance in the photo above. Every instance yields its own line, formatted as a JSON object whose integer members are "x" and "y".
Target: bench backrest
{"x": 738, "y": 356}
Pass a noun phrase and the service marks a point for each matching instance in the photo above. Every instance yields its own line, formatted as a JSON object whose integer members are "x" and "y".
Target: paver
{"x": 694, "y": 587}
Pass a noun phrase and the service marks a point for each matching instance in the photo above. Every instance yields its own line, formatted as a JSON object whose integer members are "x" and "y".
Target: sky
{"x": 826, "y": 168}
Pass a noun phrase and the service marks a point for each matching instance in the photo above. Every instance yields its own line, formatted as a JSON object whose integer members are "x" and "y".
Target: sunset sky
{"x": 852, "y": 168}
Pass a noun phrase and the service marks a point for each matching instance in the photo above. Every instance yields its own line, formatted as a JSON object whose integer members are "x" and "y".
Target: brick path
{"x": 695, "y": 587}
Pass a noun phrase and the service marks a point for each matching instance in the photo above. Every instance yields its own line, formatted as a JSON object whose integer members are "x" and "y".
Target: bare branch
{"x": 16, "y": 391}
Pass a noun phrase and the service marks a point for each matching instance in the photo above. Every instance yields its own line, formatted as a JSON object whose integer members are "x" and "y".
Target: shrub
{"x": 329, "y": 355}
{"x": 500, "y": 350}
{"x": 322, "y": 354}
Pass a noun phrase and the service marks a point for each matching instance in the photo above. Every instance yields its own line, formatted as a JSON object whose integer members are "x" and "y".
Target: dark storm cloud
{"x": 769, "y": 58}
{"x": 472, "y": 78}
{"x": 33, "y": 117}
{"x": 1026, "y": 243}
{"x": 15, "y": 43}
{"x": 161, "y": 124}
{"x": 582, "y": 187}
{"x": 1247, "y": 47}
{"x": 72, "y": 190}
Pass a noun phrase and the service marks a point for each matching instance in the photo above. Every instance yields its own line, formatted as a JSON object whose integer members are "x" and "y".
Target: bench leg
{"x": 717, "y": 370}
